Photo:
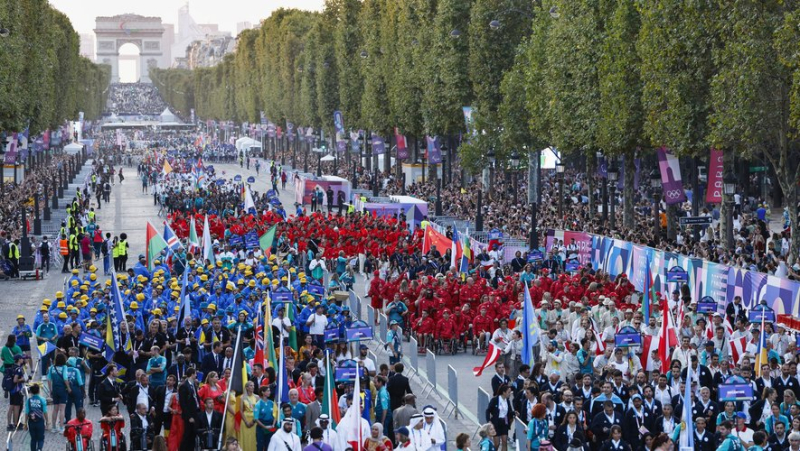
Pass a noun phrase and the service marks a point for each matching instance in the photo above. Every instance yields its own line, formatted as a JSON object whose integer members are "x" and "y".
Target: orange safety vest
{"x": 64, "y": 247}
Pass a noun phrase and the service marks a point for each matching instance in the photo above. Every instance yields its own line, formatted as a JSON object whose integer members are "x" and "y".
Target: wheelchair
{"x": 79, "y": 442}
{"x": 447, "y": 346}
{"x": 119, "y": 440}
{"x": 207, "y": 439}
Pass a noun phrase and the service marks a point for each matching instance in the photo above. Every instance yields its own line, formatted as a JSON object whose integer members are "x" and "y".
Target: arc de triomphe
{"x": 146, "y": 33}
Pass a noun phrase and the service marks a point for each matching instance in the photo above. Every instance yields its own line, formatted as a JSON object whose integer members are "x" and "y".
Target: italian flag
{"x": 330, "y": 401}
{"x": 155, "y": 244}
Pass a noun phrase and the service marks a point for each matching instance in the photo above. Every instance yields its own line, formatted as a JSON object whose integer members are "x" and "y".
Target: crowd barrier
{"x": 720, "y": 282}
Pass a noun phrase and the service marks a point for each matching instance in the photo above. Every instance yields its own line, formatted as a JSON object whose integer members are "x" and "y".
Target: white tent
{"x": 167, "y": 116}
{"x": 72, "y": 149}
{"x": 246, "y": 144}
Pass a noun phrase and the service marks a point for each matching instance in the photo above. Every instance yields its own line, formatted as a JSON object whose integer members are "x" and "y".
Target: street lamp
{"x": 455, "y": 34}
{"x": 603, "y": 190}
{"x": 655, "y": 184}
{"x": 613, "y": 174}
{"x": 560, "y": 175}
{"x": 514, "y": 160}
{"x": 729, "y": 188}
{"x": 440, "y": 181}
{"x": 479, "y": 217}
{"x": 356, "y": 162}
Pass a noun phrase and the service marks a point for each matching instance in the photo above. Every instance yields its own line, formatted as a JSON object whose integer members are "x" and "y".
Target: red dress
{"x": 206, "y": 391}
{"x": 176, "y": 428}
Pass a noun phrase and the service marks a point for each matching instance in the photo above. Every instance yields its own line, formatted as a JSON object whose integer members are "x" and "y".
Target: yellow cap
{"x": 275, "y": 282}
{"x": 61, "y": 304}
{"x": 175, "y": 294}
{"x": 140, "y": 297}
{"x": 108, "y": 282}
{"x": 252, "y": 283}
{"x": 204, "y": 277}
{"x": 20, "y": 317}
{"x": 92, "y": 310}
{"x": 75, "y": 271}
{"x": 59, "y": 294}
{"x": 62, "y": 315}
{"x": 134, "y": 305}
{"x": 200, "y": 269}
{"x": 43, "y": 308}
{"x": 84, "y": 298}
{"x": 93, "y": 276}
{"x": 74, "y": 283}
{"x": 275, "y": 267}
{"x": 204, "y": 322}
{"x": 93, "y": 268}
{"x": 272, "y": 257}
{"x": 284, "y": 279}
{"x": 157, "y": 311}
{"x": 212, "y": 307}
{"x": 47, "y": 302}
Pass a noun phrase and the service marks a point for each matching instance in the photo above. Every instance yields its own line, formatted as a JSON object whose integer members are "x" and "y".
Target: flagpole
{"x": 228, "y": 388}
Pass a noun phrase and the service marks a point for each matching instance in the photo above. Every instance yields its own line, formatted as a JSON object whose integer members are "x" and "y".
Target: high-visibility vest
{"x": 73, "y": 242}
{"x": 91, "y": 215}
{"x": 13, "y": 251}
{"x": 115, "y": 251}
{"x": 63, "y": 247}
{"x": 122, "y": 248}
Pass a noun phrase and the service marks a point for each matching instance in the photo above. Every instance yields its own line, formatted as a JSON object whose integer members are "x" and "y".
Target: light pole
{"x": 514, "y": 160}
{"x": 603, "y": 190}
{"x": 356, "y": 161}
{"x": 534, "y": 176}
{"x": 46, "y": 212}
{"x": 729, "y": 187}
{"x": 613, "y": 173}
{"x": 655, "y": 185}
{"x": 560, "y": 175}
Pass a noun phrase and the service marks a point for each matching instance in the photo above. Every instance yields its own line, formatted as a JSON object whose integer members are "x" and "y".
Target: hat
{"x": 18, "y": 357}
{"x": 20, "y": 317}
{"x": 608, "y": 302}
{"x": 141, "y": 256}
{"x": 429, "y": 411}
{"x": 134, "y": 305}
{"x": 636, "y": 396}
{"x": 394, "y": 323}
{"x": 324, "y": 417}
{"x": 710, "y": 343}
{"x": 402, "y": 431}
{"x": 360, "y": 347}
{"x": 289, "y": 420}
{"x": 741, "y": 415}
{"x": 62, "y": 315}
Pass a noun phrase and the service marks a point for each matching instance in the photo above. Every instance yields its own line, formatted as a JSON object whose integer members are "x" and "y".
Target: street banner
{"x": 434, "y": 150}
{"x": 715, "y": 169}
{"x": 338, "y": 126}
{"x": 402, "y": 147}
{"x": 671, "y": 181}
{"x": 378, "y": 145}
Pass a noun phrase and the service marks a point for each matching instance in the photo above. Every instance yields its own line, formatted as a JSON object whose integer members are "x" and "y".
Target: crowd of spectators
{"x": 134, "y": 99}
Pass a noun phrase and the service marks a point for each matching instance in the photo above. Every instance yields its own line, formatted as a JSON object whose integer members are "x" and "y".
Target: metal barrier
{"x": 452, "y": 391}
{"x": 520, "y": 431}
{"x": 413, "y": 356}
{"x": 483, "y": 404}
{"x": 430, "y": 371}
{"x": 370, "y": 316}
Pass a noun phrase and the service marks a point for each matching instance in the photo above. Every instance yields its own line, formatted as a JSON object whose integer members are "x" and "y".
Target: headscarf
{"x": 381, "y": 437}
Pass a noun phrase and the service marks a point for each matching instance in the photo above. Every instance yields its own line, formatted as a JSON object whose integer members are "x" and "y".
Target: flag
{"x": 194, "y": 243}
{"x": 649, "y": 294}
{"x": 434, "y": 238}
{"x": 599, "y": 344}
{"x": 167, "y": 168}
{"x": 466, "y": 253}
{"x": 647, "y": 361}
{"x": 248, "y": 201}
{"x": 238, "y": 375}
{"x": 666, "y": 336}
{"x": 116, "y": 315}
{"x": 171, "y": 238}
{"x": 530, "y": 328}
{"x": 330, "y": 400}
{"x": 290, "y": 315}
{"x": 186, "y": 302}
{"x": 258, "y": 336}
{"x": 283, "y": 379}
{"x": 492, "y": 355}
{"x": 266, "y": 240}
{"x": 354, "y": 412}
{"x": 686, "y": 440}
{"x": 455, "y": 250}
{"x": 761, "y": 351}
{"x": 738, "y": 346}
{"x": 155, "y": 244}
{"x": 208, "y": 247}
{"x": 46, "y": 348}
{"x": 269, "y": 341}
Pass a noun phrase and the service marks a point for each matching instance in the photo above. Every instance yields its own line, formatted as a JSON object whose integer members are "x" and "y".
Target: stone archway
{"x": 146, "y": 33}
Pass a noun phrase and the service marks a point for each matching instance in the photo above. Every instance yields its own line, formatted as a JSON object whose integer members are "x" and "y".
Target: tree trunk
{"x": 628, "y": 191}
{"x": 590, "y": 167}
{"x": 672, "y": 222}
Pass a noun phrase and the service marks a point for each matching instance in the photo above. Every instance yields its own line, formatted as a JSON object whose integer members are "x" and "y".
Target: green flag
{"x": 267, "y": 239}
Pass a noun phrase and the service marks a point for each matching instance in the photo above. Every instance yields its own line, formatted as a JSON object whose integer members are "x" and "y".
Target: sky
{"x": 225, "y": 13}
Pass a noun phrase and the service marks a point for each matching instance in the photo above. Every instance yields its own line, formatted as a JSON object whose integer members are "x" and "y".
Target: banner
{"x": 602, "y": 166}
{"x": 715, "y": 169}
{"x": 191, "y": 115}
{"x": 434, "y": 150}
{"x": 402, "y": 148}
{"x": 263, "y": 119}
{"x": 290, "y": 131}
{"x": 11, "y": 150}
{"x": 338, "y": 126}
{"x": 90, "y": 341}
{"x": 378, "y": 145}
{"x": 671, "y": 181}
{"x": 581, "y": 239}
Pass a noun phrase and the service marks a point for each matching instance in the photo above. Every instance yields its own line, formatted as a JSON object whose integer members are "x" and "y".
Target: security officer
{"x": 122, "y": 251}
{"x": 74, "y": 249}
{"x": 13, "y": 257}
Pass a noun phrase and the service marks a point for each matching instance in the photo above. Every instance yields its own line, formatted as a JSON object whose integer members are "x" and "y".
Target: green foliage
{"x": 43, "y": 79}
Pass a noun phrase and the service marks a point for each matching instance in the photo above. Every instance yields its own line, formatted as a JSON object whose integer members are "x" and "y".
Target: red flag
{"x": 647, "y": 361}
{"x": 491, "y": 356}
{"x": 434, "y": 238}
{"x": 666, "y": 337}
{"x": 737, "y": 347}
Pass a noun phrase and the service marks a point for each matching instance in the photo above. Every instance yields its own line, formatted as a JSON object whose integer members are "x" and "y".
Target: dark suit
{"x": 631, "y": 425}
{"x": 133, "y": 393}
{"x": 212, "y": 362}
{"x": 705, "y": 377}
{"x": 706, "y": 443}
{"x": 398, "y": 387}
{"x": 493, "y": 415}
{"x": 178, "y": 370}
{"x": 732, "y": 313}
{"x": 776, "y": 445}
{"x": 161, "y": 418}
{"x": 557, "y": 416}
{"x": 710, "y": 412}
{"x": 190, "y": 406}
{"x": 498, "y": 380}
{"x": 601, "y": 426}
{"x": 608, "y": 445}
{"x": 554, "y": 389}
{"x": 780, "y": 386}
{"x": 209, "y": 433}
{"x": 561, "y": 438}
{"x": 141, "y": 438}
{"x": 107, "y": 393}
{"x": 658, "y": 427}
{"x": 654, "y": 409}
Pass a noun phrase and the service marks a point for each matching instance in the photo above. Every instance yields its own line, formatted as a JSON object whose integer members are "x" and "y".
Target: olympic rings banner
{"x": 721, "y": 282}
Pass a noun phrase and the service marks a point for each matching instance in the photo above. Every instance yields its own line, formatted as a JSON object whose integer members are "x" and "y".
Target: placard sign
{"x": 92, "y": 342}
{"x": 316, "y": 290}
{"x": 676, "y": 274}
{"x": 627, "y": 337}
{"x": 348, "y": 374}
{"x": 359, "y": 331}
{"x": 331, "y": 332}
{"x": 251, "y": 239}
{"x": 237, "y": 178}
{"x": 282, "y": 296}
{"x": 535, "y": 256}
{"x": 251, "y": 179}
{"x": 235, "y": 240}
{"x": 573, "y": 265}
{"x": 707, "y": 304}
{"x": 495, "y": 234}
{"x": 761, "y": 311}
{"x": 735, "y": 392}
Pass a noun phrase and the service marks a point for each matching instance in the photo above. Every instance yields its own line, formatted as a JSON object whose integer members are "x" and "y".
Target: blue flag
{"x": 530, "y": 329}
{"x": 186, "y": 304}
{"x": 686, "y": 439}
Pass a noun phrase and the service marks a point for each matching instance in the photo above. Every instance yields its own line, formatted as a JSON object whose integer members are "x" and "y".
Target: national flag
{"x": 194, "y": 242}
{"x": 290, "y": 315}
{"x": 283, "y": 378}
{"x": 330, "y": 400}
{"x": 530, "y": 328}
{"x": 761, "y": 350}
{"x": 116, "y": 315}
{"x": 647, "y": 360}
{"x": 167, "y": 168}
{"x": 172, "y": 240}
{"x": 737, "y": 346}
{"x": 249, "y": 205}
{"x": 269, "y": 341}
{"x": 666, "y": 337}
{"x": 599, "y": 344}
{"x": 455, "y": 250}
{"x": 351, "y": 423}
{"x": 155, "y": 244}
{"x": 238, "y": 375}
{"x": 686, "y": 439}
{"x": 492, "y": 354}
{"x": 46, "y": 348}
{"x": 208, "y": 247}
{"x": 649, "y": 294}
{"x": 266, "y": 240}
{"x": 466, "y": 253}
{"x": 258, "y": 336}
{"x": 434, "y": 238}
{"x": 186, "y": 302}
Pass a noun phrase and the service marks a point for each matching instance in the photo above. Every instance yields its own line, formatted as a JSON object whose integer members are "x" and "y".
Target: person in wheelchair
{"x": 141, "y": 429}
{"x": 425, "y": 328}
{"x": 447, "y": 331}
{"x": 78, "y": 431}
{"x": 482, "y": 328}
{"x": 209, "y": 426}
{"x": 111, "y": 424}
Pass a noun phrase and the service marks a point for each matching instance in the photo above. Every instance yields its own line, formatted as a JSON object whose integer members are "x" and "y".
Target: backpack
{"x": 8, "y": 379}
{"x": 104, "y": 248}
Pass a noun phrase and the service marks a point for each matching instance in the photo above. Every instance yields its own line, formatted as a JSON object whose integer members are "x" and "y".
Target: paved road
{"x": 128, "y": 212}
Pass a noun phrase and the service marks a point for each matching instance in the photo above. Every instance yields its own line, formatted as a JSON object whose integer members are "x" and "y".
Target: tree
{"x": 348, "y": 47}
{"x": 374, "y": 99}
{"x": 621, "y": 117}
